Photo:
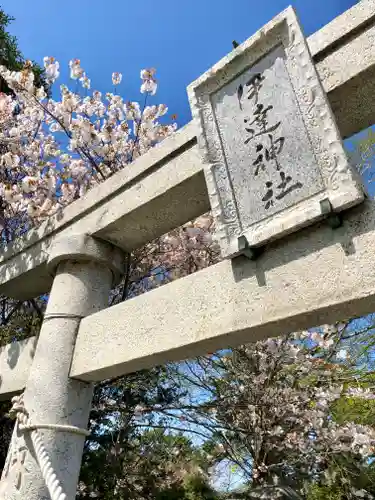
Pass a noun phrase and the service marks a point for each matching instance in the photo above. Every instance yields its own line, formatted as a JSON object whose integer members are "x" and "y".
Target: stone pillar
{"x": 84, "y": 270}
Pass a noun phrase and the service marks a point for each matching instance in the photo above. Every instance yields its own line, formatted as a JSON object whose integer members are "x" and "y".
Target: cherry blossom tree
{"x": 53, "y": 151}
{"x": 269, "y": 409}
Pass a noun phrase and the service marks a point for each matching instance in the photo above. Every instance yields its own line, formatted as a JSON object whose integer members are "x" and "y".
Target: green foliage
{"x": 357, "y": 410}
{"x": 6, "y": 429}
{"x": 344, "y": 474}
{"x": 11, "y": 56}
{"x": 193, "y": 487}
{"x": 344, "y": 481}
{"x": 317, "y": 492}
{"x": 197, "y": 488}
{"x": 151, "y": 464}
{"x": 131, "y": 454}
{"x": 365, "y": 144}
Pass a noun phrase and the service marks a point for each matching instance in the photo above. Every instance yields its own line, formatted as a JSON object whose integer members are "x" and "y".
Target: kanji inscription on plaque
{"x": 272, "y": 150}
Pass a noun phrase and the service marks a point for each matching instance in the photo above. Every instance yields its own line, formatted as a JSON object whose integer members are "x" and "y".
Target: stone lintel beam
{"x": 313, "y": 277}
{"x": 343, "y": 53}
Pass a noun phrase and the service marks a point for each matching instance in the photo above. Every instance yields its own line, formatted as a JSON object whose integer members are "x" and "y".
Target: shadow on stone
{"x": 13, "y": 354}
{"x": 357, "y": 221}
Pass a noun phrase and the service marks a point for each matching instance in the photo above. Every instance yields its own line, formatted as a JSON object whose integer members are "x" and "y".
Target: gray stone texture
{"x": 297, "y": 159}
{"x": 344, "y": 55}
{"x": 15, "y": 362}
{"x": 313, "y": 277}
{"x": 288, "y": 147}
{"x": 80, "y": 288}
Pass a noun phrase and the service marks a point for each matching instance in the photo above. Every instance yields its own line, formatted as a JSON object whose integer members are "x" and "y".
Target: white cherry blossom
{"x": 51, "y": 67}
{"x": 116, "y": 78}
{"x": 149, "y": 84}
{"x": 54, "y": 150}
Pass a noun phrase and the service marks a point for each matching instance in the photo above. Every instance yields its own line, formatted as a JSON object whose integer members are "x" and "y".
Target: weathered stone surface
{"x": 15, "y": 362}
{"x": 268, "y": 138}
{"x": 342, "y": 29}
{"x": 81, "y": 287}
{"x": 84, "y": 248}
{"x": 246, "y": 156}
{"x": 166, "y": 187}
{"x": 315, "y": 276}
{"x": 344, "y": 55}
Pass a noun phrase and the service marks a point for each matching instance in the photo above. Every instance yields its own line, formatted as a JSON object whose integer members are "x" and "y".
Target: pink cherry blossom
{"x": 103, "y": 134}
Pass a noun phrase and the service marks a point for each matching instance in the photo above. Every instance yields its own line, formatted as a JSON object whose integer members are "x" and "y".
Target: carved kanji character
{"x": 260, "y": 123}
{"x": 285, "y": 186}
{"x": 268, "y": 197}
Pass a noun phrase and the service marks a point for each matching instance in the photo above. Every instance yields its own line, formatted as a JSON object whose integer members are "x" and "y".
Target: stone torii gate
{"x": 311, "y": 272}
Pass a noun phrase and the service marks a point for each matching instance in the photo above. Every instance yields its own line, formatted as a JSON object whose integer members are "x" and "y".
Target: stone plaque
{"x": 274, "y": 160}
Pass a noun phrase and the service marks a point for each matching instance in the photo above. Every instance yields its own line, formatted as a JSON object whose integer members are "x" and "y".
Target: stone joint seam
{"x": 63, "y": 316}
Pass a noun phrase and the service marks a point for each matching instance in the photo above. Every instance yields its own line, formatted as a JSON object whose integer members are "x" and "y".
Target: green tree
{"x": 12, "y": 57}
{"x": 129, "y": 455}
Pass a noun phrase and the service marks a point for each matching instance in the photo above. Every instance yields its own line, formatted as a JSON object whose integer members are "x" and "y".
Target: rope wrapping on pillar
{"x": 23, "y": 422}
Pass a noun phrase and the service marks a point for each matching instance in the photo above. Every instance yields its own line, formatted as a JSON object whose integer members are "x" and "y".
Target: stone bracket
{"x": 83, "y": 247}
{"x": 248, "y": 251}
{"x": 334, "y": 220}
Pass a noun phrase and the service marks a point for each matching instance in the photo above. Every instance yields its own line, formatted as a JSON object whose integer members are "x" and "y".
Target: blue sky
{"x": 182, "y": 39}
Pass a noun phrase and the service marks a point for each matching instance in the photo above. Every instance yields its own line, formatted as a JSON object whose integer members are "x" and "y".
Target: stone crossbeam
{"x": 226, "y": 304}
{"x": 166, "y": 187}
{"x": 161, "y": 190}
{"x": 313, "y": 277}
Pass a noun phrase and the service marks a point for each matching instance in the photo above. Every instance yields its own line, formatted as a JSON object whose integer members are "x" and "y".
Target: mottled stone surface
{"x": 15, "y": 362}
{"x": 271, "y": 149}
{"x": 165, "y": 188}
{"x": 313, "y": 277}
{"x": 261, "y": 147}
{"x": 80, "y": 288}
{"x": 340, "y": 30}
